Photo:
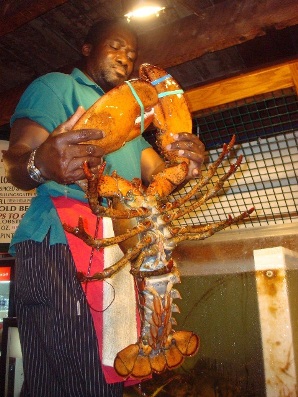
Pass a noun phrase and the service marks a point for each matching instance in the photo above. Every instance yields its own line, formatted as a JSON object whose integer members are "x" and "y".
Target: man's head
{"x": 110, "y": 50}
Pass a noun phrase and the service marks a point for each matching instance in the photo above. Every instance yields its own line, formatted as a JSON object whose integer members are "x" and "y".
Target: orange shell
{"x": 115, "y": 114}
{"x": 171, "y": 114}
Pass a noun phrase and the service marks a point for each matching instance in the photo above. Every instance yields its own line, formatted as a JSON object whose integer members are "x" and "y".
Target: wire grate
{"x": 249, "y": 120}
{"x": 266, "y": 134}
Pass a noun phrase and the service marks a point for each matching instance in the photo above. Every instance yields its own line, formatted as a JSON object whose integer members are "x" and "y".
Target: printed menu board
{"x": 13, "y": 203}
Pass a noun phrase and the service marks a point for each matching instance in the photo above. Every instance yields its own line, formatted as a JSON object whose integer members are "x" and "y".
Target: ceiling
{"x": 197, "y": 41}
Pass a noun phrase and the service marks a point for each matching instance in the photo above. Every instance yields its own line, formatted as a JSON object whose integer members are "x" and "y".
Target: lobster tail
{"x": 137, "y": 361}
{"x": 159, "y": 347}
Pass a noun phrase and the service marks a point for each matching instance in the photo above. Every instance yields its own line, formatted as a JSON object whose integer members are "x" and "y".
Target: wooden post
{"x": 271, "y": 265}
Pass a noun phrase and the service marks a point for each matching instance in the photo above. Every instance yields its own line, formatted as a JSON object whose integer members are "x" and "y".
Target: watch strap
{"x": 33, "y": 171}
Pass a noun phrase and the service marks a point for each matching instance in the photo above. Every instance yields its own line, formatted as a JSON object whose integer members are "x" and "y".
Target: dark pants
{"x": 60, "y": 351}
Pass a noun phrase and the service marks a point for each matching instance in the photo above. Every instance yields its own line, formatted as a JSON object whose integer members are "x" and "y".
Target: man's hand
{"x": 189, "y": 146}
{"x": 60, "y": 156}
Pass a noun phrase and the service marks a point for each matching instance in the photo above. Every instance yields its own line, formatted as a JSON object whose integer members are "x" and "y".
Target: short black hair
{"x": 98, "y": 29}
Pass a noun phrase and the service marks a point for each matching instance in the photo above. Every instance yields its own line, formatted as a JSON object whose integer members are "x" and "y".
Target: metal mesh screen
{"x": 266, "y": 134}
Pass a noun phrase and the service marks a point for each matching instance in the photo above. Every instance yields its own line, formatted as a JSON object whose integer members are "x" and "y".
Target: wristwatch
{"x": 33, "y": 171}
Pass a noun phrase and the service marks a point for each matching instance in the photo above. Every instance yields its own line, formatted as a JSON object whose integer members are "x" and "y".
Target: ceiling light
{"x": 141, "y": 9}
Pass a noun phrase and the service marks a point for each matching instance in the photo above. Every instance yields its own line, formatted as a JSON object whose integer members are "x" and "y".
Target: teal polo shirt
{"x": 50, "y": 100}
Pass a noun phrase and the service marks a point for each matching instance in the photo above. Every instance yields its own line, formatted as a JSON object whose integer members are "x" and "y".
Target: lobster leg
{"x": 207, "y": 196}
{"x": 136, "y": 265}
{"x": 116, "y": 267}
{"x": 203, "y": 181}
{"x": 191, "y": 234}
{"x": 80, "y": 232}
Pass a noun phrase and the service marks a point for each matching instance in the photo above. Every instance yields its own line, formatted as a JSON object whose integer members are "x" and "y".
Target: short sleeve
{"x": 41, "y": 104}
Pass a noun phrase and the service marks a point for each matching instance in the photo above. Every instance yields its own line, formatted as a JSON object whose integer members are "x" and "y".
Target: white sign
{"x": 13, "y": 203}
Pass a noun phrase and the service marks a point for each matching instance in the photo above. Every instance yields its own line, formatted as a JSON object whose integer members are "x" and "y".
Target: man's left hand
{"x": 189, "y": 146}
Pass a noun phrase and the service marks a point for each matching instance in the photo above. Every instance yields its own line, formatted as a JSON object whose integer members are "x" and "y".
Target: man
{"x": 59, "y": 344}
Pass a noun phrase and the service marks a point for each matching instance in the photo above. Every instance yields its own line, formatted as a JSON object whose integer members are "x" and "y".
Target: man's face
{"x": 111, "y": 61}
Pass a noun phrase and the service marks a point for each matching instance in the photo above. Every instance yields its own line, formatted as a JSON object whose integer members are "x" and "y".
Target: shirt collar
{"x": 80, "y": 77}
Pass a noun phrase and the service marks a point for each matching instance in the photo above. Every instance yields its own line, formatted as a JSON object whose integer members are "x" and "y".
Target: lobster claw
{"x": 117, "y": 114}
{"x": 171, "y": 116}
{"x": 171, "y": 113}
{"x": 123, "y": 112}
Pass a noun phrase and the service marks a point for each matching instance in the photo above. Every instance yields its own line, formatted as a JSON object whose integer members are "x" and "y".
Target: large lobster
{"x": 128, "y": 109}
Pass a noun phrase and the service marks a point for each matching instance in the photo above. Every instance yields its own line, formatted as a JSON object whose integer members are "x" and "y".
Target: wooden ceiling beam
{"x": 246, "y": 85}
{"x": 14, "y": 14}
{"x": 294, "y": 74}
{"x": 228, "y": 23}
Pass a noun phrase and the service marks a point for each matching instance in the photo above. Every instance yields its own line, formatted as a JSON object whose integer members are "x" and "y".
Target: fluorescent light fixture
{"x": 142, "y": 9}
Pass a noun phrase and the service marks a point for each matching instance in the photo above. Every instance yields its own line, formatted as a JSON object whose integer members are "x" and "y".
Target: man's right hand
{"x": 60, "y": 156}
